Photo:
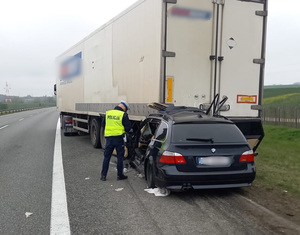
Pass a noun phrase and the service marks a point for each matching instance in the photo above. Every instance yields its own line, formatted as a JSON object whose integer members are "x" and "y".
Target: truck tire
{"x": 95, "y": 133}
{"x": 102, "y": 138}
{"x": 61, "y": 121}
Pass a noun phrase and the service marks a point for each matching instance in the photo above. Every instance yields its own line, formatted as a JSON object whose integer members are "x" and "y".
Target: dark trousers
{"x": 112, "y": 143}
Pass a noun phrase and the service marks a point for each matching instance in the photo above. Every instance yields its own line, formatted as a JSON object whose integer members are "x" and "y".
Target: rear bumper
{"x": 68, "y": 128}
{"x": 169, "y": 177}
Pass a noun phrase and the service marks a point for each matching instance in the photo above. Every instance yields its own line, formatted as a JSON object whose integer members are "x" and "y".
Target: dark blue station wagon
{"x": 187, "y": 149}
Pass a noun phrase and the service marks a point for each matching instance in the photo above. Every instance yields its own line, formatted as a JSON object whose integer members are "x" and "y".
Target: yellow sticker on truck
{"x": 246, "y": 99}
{"x": 169, "y": 90}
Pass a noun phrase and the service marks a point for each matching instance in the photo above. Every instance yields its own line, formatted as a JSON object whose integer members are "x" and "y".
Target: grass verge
{"x": 278, "y": 162}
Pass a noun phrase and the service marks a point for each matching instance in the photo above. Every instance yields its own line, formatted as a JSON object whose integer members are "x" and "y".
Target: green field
{"x": 278, "y": 162}
{"x": 282, "y": 96}
{"x": 272, "y": 91}
{"x": 290, "y": 100}
{"x": 27, "y": 103}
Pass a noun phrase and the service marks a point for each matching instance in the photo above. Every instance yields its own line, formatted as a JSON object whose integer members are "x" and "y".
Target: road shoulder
{"x": 280, "y": 211}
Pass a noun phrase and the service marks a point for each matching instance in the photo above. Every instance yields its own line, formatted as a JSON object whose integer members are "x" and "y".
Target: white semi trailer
{"x": 173, "y": 52}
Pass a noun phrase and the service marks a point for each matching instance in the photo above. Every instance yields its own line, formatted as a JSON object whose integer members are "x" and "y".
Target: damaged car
{"x": 183, "y": 148}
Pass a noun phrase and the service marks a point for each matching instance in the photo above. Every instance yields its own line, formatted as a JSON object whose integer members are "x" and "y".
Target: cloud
{"x": 35, "y": 32}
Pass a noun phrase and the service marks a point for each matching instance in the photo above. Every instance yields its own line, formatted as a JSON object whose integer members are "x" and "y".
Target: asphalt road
{"x": 94, "y": 207}
{"x": 26, "y": 158}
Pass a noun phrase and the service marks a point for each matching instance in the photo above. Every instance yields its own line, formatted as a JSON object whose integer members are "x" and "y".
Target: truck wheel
{"x": 102, "y": 138}
{"x": 95, "y": 133}
{"x": 149, "y": 174}
{"x": 61, "y": 121}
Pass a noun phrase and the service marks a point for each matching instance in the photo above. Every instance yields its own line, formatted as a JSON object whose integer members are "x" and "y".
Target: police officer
{"x": 116, "y": 123}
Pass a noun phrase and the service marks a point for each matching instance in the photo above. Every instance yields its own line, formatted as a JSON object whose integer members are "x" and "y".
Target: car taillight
{"x": 172, "y": 158}
{"x": 247, "y": 156}
{"x": 68, "y": 120}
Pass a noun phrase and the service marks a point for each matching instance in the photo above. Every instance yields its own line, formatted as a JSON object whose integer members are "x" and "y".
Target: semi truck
{"x": 159, "y": 53}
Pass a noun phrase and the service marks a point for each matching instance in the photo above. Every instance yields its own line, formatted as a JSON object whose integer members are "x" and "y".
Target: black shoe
{"x": 103, "y": 178}
{"x": 122, "y": 177}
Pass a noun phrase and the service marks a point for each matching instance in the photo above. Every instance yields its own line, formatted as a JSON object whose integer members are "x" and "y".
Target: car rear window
{"x": 204, "y": 133}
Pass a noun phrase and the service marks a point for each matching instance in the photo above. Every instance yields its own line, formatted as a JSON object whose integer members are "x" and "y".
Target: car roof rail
{"x": 159, "y": 106}
{"x": 156, "y": 115}
{"x": 178, "y": 109}
{"x": 220, "y": 116}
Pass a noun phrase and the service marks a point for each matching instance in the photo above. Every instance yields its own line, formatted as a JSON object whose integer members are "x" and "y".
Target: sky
{"x": 34, "y": 32}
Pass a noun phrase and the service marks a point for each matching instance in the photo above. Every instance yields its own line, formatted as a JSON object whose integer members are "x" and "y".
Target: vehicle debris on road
{"x": 119, "y": 189}
{"x": 28, "y": 214}
{"x": 158, "y": 192}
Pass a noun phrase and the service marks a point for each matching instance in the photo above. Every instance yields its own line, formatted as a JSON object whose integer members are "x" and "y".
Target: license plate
{"x": 213, "y": 161}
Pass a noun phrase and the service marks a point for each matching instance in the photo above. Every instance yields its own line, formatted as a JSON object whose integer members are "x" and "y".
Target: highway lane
{"x": 26, "y": 159}
{"x": 123, "y": 207}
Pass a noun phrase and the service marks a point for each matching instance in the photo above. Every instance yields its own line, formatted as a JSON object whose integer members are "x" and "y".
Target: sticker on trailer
{"x": 169, "y": 87}
{"x": 190, "y": 13}
{"x": 246, "y": 99}
{"x": 70, "y": 68}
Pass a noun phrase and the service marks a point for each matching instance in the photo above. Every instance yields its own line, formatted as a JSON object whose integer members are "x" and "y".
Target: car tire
{"x": 150, "y": 175}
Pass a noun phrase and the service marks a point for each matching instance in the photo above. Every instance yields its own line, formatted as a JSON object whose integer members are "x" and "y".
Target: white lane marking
{"x": 21, "y": 119}
{"x": 59, "y": 209}
{"x": 3, "y": 127}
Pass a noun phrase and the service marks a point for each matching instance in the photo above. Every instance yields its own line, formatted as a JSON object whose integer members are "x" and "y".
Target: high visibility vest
{"x": 113, "y": 123}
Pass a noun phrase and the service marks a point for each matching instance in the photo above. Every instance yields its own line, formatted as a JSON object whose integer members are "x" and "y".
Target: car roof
{"x": 183, "y": 114}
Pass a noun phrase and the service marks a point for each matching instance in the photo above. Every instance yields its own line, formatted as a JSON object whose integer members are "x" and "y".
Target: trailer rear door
{"x": 215, "y": 46}
{"x": 241, "y": 46}
{"x": 188, "y": 44}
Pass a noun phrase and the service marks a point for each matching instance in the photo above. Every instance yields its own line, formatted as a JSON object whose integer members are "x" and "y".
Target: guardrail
{"x": 8, "y": 111}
